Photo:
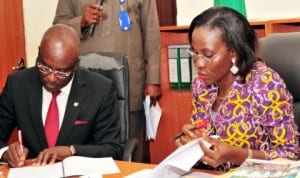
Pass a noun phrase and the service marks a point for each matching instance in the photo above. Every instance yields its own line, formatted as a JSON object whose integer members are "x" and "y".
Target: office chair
{"x": 115, "y": 67}
{"x": 282, "y": 52}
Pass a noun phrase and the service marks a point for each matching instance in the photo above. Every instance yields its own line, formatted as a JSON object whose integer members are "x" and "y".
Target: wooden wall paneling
{"x": 260, "y": 27}
{"x": 175, "y": 104}
{"x": 167, "y": 12}
{"x": 12, "y": 40}
{"x": 280, "y": 28}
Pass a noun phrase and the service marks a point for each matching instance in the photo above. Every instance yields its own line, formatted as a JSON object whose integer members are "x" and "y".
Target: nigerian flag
{"x": 238, "y": 5}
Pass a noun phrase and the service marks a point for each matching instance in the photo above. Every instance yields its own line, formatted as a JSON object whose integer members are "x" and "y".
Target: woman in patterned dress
{"x": 245, "y": 102}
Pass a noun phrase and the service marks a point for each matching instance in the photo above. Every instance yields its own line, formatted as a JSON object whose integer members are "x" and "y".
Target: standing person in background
{"x": 245, "y": 102}
{"x": 138, "y": 38}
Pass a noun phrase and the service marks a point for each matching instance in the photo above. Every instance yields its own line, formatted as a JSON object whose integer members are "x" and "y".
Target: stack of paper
{"x": 153, "y": 114}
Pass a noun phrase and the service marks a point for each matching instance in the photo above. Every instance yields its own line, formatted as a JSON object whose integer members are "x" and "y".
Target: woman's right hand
{"x": 189, "y": 135}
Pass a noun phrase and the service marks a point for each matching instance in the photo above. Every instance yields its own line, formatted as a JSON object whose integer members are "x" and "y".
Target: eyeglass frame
{"x": 61, "y": 74}
{"x": 203, "y": 57}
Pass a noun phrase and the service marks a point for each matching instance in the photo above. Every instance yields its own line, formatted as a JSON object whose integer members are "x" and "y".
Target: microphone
{"x": 93, "y": 26}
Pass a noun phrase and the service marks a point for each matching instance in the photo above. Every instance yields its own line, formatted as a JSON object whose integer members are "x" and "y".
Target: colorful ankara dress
{"x": 257, "y": 114}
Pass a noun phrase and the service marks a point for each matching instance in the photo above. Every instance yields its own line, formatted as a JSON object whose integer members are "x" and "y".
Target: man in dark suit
{"x": 88, "y": 123}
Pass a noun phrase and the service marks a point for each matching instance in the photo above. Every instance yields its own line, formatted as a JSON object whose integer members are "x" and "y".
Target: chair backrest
{"x": 282, "y": 53}
{"x": 115, "y": 67}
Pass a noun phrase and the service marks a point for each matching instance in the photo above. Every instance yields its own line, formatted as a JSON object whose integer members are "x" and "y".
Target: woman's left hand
{"x": 218, "y": 153}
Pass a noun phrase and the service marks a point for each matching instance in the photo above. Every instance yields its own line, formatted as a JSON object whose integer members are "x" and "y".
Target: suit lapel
{"x": 76, "y": 97}
{"x": 34, "y": 98}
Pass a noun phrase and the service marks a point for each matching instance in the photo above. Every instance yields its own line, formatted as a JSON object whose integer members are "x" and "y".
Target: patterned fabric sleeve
{"x": 273, "y": 102}
{"x": 201, "y": 99}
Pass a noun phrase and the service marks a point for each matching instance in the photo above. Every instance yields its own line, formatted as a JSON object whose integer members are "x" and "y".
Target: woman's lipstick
{"x": 202, "y": 76}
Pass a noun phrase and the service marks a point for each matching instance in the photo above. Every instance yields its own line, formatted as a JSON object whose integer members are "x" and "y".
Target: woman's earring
{"x": 234, "y": 69}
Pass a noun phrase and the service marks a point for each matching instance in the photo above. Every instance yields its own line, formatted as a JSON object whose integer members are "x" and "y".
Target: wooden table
{"x": 126, "y": 168}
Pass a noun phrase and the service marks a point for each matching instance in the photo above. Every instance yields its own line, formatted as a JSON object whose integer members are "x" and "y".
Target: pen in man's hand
{"x": 20, "y": 139}
{"x": 197, "y": 126}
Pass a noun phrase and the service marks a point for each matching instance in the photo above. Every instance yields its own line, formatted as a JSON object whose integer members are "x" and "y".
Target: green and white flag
{"x": 238, "y": 5}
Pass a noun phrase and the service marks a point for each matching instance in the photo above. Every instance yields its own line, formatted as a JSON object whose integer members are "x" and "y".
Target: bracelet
{"x": 250, "y": 153}
{"x": 72, "y": 150}
{"x": 266, "y": 155}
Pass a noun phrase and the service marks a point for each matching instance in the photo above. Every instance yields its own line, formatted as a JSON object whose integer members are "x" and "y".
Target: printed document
{"x": 176, "y": 164}
{"x": 71, "y": 166}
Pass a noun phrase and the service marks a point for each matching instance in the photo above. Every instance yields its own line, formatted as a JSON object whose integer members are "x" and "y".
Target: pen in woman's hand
{"x": 197, "y": 126}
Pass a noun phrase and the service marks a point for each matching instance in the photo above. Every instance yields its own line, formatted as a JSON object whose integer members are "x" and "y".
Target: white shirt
{"x": 61, "y": 99}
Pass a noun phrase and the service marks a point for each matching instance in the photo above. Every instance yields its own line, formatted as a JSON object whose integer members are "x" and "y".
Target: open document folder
{"x": 153, "y": 114}
{"x": 176, "y": 164}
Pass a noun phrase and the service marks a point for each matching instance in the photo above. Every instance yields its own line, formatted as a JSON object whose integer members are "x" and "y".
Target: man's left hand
{"x": 51, "y": 155}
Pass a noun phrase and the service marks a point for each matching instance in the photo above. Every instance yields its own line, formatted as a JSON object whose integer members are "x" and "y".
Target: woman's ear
{"x": 233, "y": 54}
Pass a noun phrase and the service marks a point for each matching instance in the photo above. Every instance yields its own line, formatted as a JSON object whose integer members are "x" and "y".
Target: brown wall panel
{"x": 12, "y": 40}
{"x": 167, "y": 12}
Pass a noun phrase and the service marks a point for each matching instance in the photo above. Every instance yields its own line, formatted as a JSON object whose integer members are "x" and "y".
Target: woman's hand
{"x": 189, "y": 135}
{"x": 219, "y": 152}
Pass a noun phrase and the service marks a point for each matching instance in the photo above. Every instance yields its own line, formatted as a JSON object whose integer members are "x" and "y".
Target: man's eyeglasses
{"x": 204, "y": 59}
{"x": 58, "y": 73}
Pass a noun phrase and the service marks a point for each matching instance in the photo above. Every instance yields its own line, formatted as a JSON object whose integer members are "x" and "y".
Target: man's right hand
{"x": 92, "y": 14}
{"x": 14, "y": 156}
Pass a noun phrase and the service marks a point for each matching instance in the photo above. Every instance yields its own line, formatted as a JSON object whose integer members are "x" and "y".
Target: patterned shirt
{"x": 257, "y": 114}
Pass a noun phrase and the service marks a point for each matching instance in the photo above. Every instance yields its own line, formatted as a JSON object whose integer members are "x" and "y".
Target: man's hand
{"x": 14, "y": 156}
{"x": 154, "y": 91}
{"x": 92, "y": 14}
{"x": 51, "y": 155}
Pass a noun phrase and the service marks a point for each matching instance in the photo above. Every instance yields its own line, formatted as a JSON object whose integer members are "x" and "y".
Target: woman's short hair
{"x": 236, "y": 33}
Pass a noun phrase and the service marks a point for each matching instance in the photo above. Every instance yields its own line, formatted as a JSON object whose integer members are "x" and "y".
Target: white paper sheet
{"x": 153, "y": 115}
{"x": 176, "y": 164}
{"x": 74, "y": 165}
{"x": 199, "y": 175}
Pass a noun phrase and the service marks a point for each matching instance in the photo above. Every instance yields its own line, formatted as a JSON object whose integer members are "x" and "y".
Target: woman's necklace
{"x": 227, "y": 90}
{"x": 221, "y": 98}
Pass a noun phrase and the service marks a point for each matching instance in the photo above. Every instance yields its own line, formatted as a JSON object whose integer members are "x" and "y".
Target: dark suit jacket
{"x": 92, "y": 125}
